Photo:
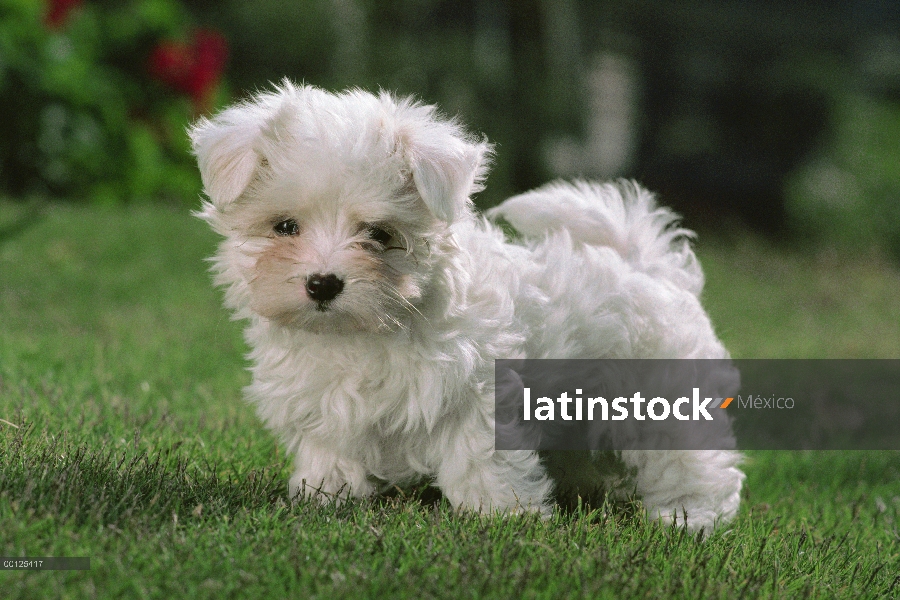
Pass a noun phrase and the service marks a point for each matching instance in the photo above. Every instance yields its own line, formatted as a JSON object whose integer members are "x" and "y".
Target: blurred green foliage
{"x": 82, "y": 118}
{"x": 518, "y": 72}
{"x": 849, "y": 191}
{"x": 482, "y": 61}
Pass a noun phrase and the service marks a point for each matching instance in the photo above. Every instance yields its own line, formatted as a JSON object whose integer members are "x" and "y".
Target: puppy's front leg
{"x": 701, "y": 486}
{"x": 322, "y": 473}
{"x": 474, "y": 476}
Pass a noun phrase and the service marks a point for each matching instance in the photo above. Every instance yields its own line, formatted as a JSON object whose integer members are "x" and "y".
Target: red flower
{"x": 58, "y": 12}
{"x": 194, "y": 68}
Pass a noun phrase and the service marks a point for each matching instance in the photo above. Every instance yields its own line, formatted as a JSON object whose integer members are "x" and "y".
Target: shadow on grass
{"x": 76, "y": 483}
{"x": 606, "y": 486}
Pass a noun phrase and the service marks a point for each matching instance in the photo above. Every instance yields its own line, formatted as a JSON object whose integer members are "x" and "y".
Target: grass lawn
{"x": 124, "y": 438}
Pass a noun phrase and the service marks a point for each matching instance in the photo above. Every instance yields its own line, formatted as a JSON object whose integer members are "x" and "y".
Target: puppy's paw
{"x": 498, "y": 506}
{"x": 680, "y": 516}
{"x": 695, "y": 513}
{"x": 333, "y": 486}
{"x": 506, "y": 482}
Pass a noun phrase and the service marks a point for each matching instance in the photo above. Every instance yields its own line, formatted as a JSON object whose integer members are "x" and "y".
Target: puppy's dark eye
{"x": 287, "y": 227}
{"x": 378, "y": 234}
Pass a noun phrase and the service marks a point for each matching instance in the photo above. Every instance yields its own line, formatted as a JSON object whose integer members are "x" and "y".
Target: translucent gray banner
{"x": 667, "y": 404}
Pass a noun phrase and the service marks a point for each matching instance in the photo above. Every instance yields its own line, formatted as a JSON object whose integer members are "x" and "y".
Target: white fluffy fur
{"x": 392, "y": 381}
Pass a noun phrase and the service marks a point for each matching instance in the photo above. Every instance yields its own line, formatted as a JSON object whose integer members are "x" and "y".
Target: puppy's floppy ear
{"x": 446, "y": 164}
{"x": 227, "y": 145}
{"x": 225, "y": 152}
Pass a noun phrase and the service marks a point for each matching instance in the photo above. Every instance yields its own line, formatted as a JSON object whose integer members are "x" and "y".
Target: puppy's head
{"x": 335, "y": 208}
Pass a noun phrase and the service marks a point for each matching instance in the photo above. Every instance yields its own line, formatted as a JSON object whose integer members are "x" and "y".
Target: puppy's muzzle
{"x": 323, "y": 288}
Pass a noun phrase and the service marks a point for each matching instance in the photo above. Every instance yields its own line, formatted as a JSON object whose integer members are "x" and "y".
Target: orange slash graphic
{"x": 726, "y": 403}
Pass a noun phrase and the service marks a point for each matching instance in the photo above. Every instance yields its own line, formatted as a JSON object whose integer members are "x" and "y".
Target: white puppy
{"x": 377, "y": 300}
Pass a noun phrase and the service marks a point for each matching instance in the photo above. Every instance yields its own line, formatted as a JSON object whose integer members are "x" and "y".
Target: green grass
{"x": 133, "y": 447}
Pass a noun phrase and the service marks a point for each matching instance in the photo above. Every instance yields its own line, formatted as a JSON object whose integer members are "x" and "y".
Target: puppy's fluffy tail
{"x": 622, "y": 216}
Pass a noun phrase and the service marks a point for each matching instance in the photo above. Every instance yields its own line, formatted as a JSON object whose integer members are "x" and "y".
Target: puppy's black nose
{"x": 323, "y": 288}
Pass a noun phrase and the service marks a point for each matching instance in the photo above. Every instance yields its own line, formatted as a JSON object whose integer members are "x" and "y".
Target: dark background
{"x": 739, "y": 110}
{"x": 779, "y": 116}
